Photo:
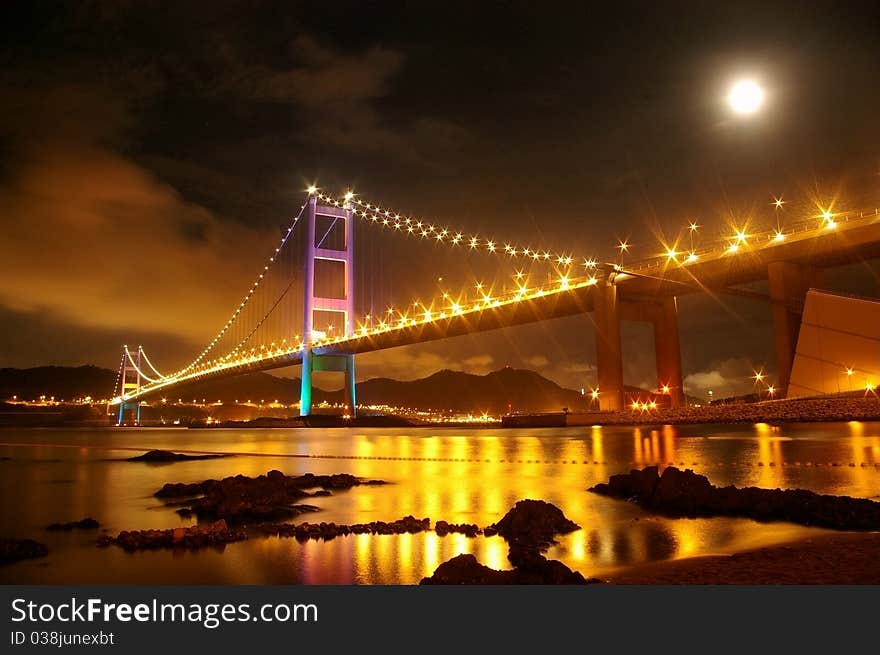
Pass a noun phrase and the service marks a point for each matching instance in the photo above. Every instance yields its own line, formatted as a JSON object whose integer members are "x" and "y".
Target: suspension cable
{"x": 137, "y": 368}
{"x": 247, "y": 297}
{"x": 150, "y": 364}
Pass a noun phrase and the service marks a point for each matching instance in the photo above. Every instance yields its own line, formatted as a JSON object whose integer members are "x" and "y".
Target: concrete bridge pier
{"x": 667, "y": 349}
{"x": 789, "y": 283}
{"x": 609, "y": 354}
{"x": 339, "y": 363}
{"x": 662, "y": 313}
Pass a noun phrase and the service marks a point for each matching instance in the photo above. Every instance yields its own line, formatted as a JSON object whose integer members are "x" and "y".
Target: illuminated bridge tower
{"x": 129, "y": 383}
{"x": 328, "y": 300}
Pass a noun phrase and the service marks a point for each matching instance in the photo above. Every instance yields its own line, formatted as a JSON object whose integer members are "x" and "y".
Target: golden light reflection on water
{"x": 471, "y": 476}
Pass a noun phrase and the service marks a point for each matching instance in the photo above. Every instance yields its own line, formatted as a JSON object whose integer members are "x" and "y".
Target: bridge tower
{"x": 130, "y": 382}
{"x": 329, "y": 245}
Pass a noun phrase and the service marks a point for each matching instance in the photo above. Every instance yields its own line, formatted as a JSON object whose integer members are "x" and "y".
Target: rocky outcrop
{"x": 13, "y": 550}
{"x": 327, "y": 531}
{"x": 532, "y": 524}
{"x": 442, "y": 528}
{"x": 465, "y": 569}
{"x": 529, "y": 528}
{"x": 679, "y": 493}
{"x": 163, "y": 456}
{"x": 264, "y": 498}
{"x": 197, "y": 536}
{"x": 87, "y": 523}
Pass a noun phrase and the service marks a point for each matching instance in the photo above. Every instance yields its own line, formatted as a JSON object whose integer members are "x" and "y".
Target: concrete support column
{"x": 350, "y": 388}
{"x": 789, "y": 284}
{"x": 609, "y": 354}
{"x": 667, "y": 349}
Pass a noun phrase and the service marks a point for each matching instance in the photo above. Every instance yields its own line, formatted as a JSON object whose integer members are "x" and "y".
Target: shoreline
{"x": 845, "y": 558}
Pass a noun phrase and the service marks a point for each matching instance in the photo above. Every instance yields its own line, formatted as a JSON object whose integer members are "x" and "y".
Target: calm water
{"x": 458, "y": 475}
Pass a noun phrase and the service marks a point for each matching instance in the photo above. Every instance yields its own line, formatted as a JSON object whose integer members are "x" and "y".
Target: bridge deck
{"x": 851, "y": 241}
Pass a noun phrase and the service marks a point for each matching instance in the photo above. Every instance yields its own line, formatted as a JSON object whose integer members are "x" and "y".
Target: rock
{"x": 685, "y": 493}
{"x": 13, "y": 550}
{"x": 84, "y": 524}
{"x": 264, "y": 498}
{"x": 168, "y": 456}
{"x": 533, "y": 523}
{"x": 465, "y": 569}
{"x": 442, "y": 528}
{"x": 328, "y": 531}
{"x": 197, "y": 536}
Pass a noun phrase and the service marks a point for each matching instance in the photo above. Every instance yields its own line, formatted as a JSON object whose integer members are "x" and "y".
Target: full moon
{"x": 745, "y": 97}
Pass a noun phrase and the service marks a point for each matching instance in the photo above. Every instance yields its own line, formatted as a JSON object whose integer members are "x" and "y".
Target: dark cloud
{"x": 149, "y": 153}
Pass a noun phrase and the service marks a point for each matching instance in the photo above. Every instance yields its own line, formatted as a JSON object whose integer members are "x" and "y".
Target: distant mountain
{"x": 507, "y": 389}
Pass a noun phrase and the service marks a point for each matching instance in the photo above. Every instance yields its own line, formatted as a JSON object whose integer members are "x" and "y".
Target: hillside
{"x": 497, "y": 392}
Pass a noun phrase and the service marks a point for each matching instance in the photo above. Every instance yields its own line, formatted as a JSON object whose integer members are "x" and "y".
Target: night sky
{"x": 150, "y": 152}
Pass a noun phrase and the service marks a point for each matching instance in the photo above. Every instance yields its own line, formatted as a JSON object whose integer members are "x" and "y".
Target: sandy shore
{"x": 845, "y": 558}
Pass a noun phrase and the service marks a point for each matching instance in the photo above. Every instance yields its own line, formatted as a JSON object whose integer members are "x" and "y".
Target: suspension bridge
{"x": 301, "y": 307}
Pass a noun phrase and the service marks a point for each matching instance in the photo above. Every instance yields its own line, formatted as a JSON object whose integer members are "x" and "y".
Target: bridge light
{"x": 778, "y": 202}
{"x": 733, "y": 247}
{"x": 779, "y": 236}
{"x": 349, "y": 195}
{"x": 759, "y": 375}
{"x": 671, "y": 254}
{"x": 665, "y": 389}
{"x": 741, "y": 236}
{"x": 312, "y": 189}
{"x": 693, "y": 226}
{"x": 594, "y": 394}
{"x": 563, "y": 282}
{"x": 623, "y": 246}
{"x": 849, "y": 371}
{"x": 771, "y": 390}
{"x": 692, "y": 256}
